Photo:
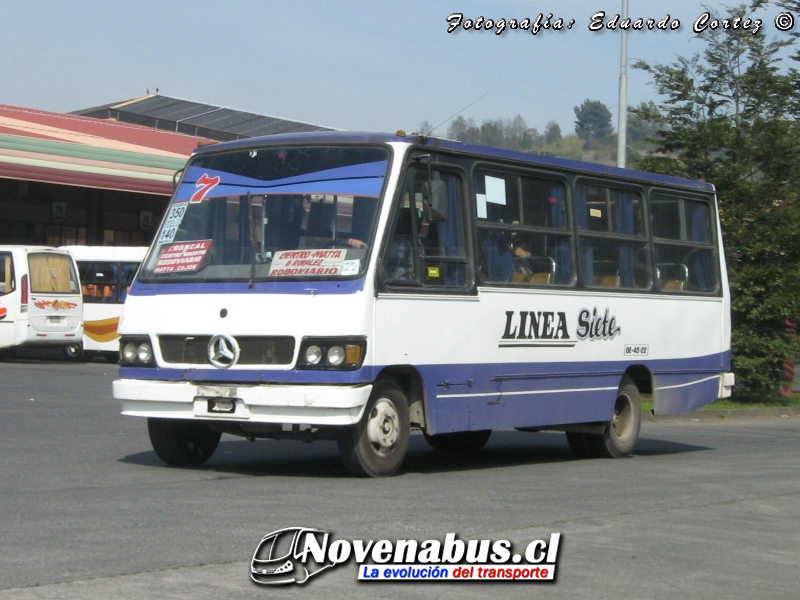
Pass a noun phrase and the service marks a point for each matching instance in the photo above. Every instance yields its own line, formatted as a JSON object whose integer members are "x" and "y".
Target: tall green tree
{"x": 728, "y": 116}
{"x": 593, "y": 121}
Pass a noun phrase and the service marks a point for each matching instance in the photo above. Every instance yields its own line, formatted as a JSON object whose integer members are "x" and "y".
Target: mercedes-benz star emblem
{"x": 223, "y": 351}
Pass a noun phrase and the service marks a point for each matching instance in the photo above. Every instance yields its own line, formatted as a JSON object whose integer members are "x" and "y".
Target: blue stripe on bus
{"x": 497, "y": 396}
{"x": 671, "y": 371}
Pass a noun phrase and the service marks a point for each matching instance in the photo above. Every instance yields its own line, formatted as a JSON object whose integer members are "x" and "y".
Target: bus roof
{"x": 340, "y": 137}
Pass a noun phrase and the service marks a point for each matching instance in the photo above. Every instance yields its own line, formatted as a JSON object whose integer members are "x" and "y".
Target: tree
{"x": 493, "y": 133}
{"x": 463, "y": 130}
{"x": 519, "y": 136}
{"x": 643, "y": 122}
{"x": 593, "y": 121}
{"x": 729, "y": 117}
{"x": 552, "y": 133}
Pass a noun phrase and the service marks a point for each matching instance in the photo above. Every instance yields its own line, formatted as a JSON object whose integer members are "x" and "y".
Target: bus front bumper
{"x": 317, "y": 405}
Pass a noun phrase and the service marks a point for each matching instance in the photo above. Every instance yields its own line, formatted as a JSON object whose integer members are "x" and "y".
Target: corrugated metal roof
{"x": 50, "y": 147}
{"x": 195, "y": 118}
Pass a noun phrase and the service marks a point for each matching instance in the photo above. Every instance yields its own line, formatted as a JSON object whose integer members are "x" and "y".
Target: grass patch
{"x": 740, "y": 400}
{"x": 751, "y": 400}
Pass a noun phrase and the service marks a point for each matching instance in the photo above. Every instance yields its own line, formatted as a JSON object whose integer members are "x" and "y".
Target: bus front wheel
{"x": 377, "y": 445}
{"x": 181, "y": 443}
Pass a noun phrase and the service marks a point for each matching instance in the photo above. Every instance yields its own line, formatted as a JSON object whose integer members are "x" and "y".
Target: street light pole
{"x": 622, "y": 120}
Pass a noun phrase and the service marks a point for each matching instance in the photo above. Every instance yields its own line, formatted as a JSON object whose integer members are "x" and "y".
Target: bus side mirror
{"x": 434, "y": 201}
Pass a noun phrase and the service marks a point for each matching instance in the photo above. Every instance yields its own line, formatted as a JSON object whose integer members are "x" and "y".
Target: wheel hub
{"x": 383, "y": 428}
{"x": 622, "y": 422}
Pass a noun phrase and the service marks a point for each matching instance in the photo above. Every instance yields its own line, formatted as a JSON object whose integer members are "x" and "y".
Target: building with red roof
{"x": 105, "y": 179}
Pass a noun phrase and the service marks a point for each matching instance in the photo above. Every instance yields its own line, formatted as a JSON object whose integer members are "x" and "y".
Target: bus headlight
{"x": 345, "y": 354}
{"x": 336, "y": 355}
{"x": 313, "y": 355}
{"x": 136, "y": 351}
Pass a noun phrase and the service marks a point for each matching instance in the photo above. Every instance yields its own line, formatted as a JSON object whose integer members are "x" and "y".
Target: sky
{"x": 360, "y": 65}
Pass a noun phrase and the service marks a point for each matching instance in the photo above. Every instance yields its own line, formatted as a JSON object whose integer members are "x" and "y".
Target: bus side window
{"x": 686, "y": 258}
{"x": 613, "y": 250}
{"x": 523, "y": 234}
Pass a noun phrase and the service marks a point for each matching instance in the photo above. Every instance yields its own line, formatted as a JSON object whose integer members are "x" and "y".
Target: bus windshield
{"x": 267, "y": 213}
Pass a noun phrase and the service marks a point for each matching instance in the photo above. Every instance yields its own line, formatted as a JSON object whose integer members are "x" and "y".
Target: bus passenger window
{"x": 686, "y": 259}
{"x": 612, "y": 246}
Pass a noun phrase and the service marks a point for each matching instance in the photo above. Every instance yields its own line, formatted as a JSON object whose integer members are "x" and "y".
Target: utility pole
{"x": 622, "y": 120}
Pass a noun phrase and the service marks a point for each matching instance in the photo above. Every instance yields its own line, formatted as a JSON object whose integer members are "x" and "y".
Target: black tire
{"x": 74, "y": 353}
{"x": 377, "y": 445}
{"x": 181, "y": 443}
{"x": 460, "y": 442}
{"x": 622, "y": 432}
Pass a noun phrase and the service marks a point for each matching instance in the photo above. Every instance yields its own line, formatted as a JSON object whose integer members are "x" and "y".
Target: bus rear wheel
{"x": 75, "y": 353}
{"x": 622, "y": 432}
{"x": 377, "y": 445}
{"x": 181, "y": 443}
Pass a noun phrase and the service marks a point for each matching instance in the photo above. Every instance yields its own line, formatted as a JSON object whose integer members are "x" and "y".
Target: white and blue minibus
{"x": 356, "y": 287}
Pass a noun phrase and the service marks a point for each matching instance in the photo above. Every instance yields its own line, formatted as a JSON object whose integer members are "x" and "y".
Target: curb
{"x": 778, "y": 412}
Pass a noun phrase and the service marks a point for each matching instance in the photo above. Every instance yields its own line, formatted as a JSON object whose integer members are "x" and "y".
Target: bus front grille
{"x": 254, "y": 350}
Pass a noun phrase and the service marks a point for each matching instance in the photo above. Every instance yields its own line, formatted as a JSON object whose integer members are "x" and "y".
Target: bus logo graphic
{"x": 204, "y": 185}
{"x": 283, "y": 556}
{"x": 223, "y": 351}
{"x": 536, "y": 328}
{"x": 55, "y": 304}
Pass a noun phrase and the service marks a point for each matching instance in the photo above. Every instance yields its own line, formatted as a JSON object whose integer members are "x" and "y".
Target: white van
{"x": 40, "y": 297}
{"x": 106, "y": 273}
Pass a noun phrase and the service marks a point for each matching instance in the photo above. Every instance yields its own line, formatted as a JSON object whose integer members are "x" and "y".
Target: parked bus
{"x": 354, "y": 287}
{"x": 40, "y": 299}
{"x": 105, "y": 273}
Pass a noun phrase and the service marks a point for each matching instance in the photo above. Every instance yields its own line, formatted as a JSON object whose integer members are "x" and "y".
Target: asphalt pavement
{"x": 708, "y": 507}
